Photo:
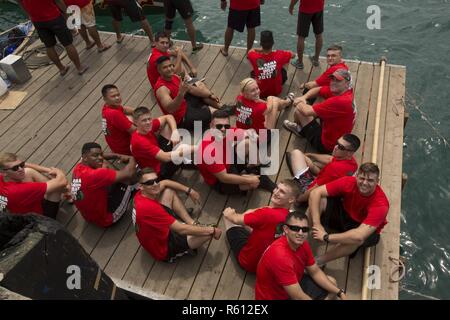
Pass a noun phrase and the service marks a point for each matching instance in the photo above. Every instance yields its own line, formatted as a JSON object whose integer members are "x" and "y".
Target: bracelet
{"x": 189, "y": 191}
{"x": 326, "y": 237}
{"x": 340, "y": 292}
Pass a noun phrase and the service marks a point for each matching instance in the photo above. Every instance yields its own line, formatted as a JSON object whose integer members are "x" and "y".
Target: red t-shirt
{"x": 267, "y": 68}
{"x": 90, "y": 193}
{"x": 371, "y": 210}
{"x": 80, "y": 3}
{"x": 250, "y": 113}
{"x": 324, "y": 79}
{"x": 173, "y": 86}
{"x": 336, "y": 114}
{"x": 264, "y": 223}
{"x": 144, "y": 148}
{"x": 311, "y": 6}
{"x": 152, "y": 68}
{"x": 152, "y": 224}
{"x": 244, "y": 4}
{"x": 334, "y": 170}
{"x": 281, "y": 266}
{"x": 42, "y": 10}
{"x": 216, "y": 156}
{"x": 22, "y": 197}
{"x": 115, "y": 126}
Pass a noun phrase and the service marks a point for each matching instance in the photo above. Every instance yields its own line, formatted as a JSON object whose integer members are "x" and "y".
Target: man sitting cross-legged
{"x": 152, "y": 142}
{"x": 356, "y": 207}
{"x": 102, "y": 194}
{"x": 163, "y": 49}
{"x": 312, "y": 170}
{"x": 163, "y": 225}
{"x": 186, "y": 102}
{"x": 250, "y": 233}
{"x": 218, "y": 158}
{"x": 25, "y": 189}
{"x": 116, "y": 125}
{"x": 281, "y": 271}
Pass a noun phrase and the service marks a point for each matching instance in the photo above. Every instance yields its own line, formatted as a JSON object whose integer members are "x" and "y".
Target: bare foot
{"x": 64, "y": 71}
{"x": 223, "y": 52}
{"x": 82, "y": 69}
{"x": 120, "y": 39}
{"x": 90, "y": 45}
{"x": 104, "y": 47}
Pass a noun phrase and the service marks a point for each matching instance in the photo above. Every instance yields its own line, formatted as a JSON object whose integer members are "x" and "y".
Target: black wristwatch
{"x": 325, "y": 237}
{"x": 340, "y": 292}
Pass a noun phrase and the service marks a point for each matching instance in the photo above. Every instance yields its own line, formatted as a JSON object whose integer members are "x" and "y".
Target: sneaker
{"x": 291, "y": 97}
{"x": 292, "y": 127}
{"x": 298, "y": 64}
{"x": 315, "y": 62}
{"x": 229, "y": 109}
{"x": 266, "y": 184}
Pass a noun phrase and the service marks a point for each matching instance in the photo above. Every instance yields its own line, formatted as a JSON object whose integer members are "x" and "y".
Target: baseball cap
{"x": 342, "y": 74}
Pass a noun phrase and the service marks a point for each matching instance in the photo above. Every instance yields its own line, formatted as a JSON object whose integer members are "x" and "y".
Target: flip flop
{"x": 83, "y": 70}
{"x": 105, "y": 47}
{"x": 225, "y": 54}
{"x": 198, "y": 47}
{"x": 121, "y": 39}
{"x": 65, "y": 71}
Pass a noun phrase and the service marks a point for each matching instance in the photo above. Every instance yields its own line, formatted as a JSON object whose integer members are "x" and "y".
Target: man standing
{"x": 50, "y": 24}
{"x": 354, "y": 206}
{"x": 280, "y": 273}
{"x": 268, "y": 66}
{"x": 312, "y": 170}
{"x": 162, "y": 44}
{"x": 153, "y": 140}
{"x": 134, "y": 11}
{"x": 310, "y": 12}
{"x": 249, "y": 234}
{"x": 102, "y": 194}
{"x": 336, "y": 113}
{"x": 116, "y": 126}
{"x": 163, "y": 225}
{"x": 185, "y": 10}
{"x": 241, "y": 14}
{"x": 25, "y": 189}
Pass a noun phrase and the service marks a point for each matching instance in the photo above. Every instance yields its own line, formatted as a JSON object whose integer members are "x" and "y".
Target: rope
{"x": 399, "y": 267}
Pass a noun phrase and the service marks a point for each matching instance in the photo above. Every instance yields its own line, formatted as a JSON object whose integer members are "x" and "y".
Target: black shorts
{"x": 184, "y": 8}
{"x": 228, "y": 188}
{"x": 196, "y": 111}
{"x": 177, "y": 244}
{"x": 167, "y": 169}
{"x": 312, "y": 289}
{"x": 238, "y": 19}
{"x": 48, "y": 31}
{"x": 336, "y": 218}
{"x": 313, "y": 133}
{"x": 237, "y": 238}
{"x": 119, "y": 196}
{"x": 132, "y": 8}
{"x": 304, "y": 181}
{"x": 306, "y": 19}
{"x": 50, "y": 208}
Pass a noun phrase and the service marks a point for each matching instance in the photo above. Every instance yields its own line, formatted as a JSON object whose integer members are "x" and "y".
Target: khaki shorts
{"x": 88, "y": 16}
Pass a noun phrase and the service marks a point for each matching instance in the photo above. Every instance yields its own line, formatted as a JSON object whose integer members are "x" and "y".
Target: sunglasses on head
{"x": 225, "y": 126}
{"x": 16, "y": 167}
{"x": 297, "y": 228}
{"x": 150, "y": 182}
{"x": 342, "y": 147}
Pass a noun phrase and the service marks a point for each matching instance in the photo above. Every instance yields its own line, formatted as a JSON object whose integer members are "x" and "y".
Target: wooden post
{"x": 365, "y": 290}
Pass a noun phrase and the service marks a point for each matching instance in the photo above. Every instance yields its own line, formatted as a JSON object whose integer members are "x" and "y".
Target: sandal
{"x": 297, "y": 64}
{"x": 198, "y": 47}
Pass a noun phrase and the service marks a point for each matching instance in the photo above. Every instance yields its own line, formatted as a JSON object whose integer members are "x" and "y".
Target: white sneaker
{"x": 292, "y": 127}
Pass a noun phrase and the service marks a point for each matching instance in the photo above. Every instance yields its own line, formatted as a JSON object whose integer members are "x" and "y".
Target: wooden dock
{"x": 59, "y": 115}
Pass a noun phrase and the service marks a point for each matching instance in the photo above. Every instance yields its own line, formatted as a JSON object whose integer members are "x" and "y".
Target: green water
{"x": 413, "y": 33}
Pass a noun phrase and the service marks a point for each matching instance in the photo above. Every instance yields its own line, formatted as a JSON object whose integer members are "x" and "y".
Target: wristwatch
{"x": 325, "y": 237}
{"x": 340, "y": 292}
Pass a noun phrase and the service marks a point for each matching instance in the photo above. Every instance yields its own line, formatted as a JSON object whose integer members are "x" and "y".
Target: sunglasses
{"x": 342, "y": 147}
{"x": 16, "y": 167}
{"x": 225, "y": 126}
{"x": 297, "y": 228}
{"x": 150, "y": 182}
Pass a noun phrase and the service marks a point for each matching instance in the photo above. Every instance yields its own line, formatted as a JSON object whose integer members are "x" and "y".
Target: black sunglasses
{"x": 220, "y": 126}
{"x": 297, "y": 228}
{"x": 342, "y": 147}
{"x": 16, "y": 167}
{"x": 150, "y": 182}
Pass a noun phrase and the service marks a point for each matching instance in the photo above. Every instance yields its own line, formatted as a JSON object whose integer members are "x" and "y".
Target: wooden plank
{"x": 391, "y": 183}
